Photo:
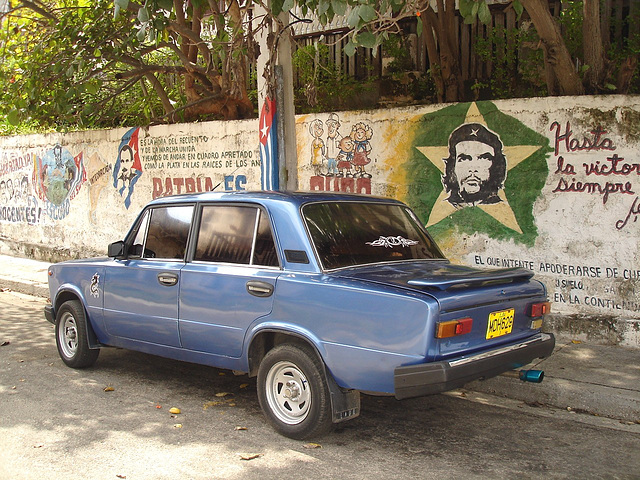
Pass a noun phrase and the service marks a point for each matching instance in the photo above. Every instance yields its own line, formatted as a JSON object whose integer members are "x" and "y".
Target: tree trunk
{"x": 561, "y": 75}
{"x": 593, "y": 49}
{"x": 439, "y": 31}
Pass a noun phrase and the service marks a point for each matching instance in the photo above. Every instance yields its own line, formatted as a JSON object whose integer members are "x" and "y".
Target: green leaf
{"x": 367, "y": 13}
{"x": 92, "y": 87}
{"x": 119, "y": 5}
{"x": 466, "y": 7}
{"x": 349, "y": 49}
{"x": 518, "y": 8}
{"x": 367, "y": 39}
{"x": 484, "y": 14}
{"x": 353, "y": 19}
{"x": 276, "y": 7}
{"x": 339, "y": 7}
{"x": 143, "y": 15}
{"x": 165, "y": 4}
{"x": 288, "y": 5}
{"x": 13, "y": 117}
{"x": 474, "y": 8}
{"x": 419, "y": 28}
{"x": 323, "y": 7}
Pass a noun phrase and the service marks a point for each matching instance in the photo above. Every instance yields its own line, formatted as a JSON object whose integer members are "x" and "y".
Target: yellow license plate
{"x": 500, "y": 323}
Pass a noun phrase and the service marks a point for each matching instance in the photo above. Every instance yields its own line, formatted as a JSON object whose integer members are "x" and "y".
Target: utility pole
{"x": 278, "y": 149}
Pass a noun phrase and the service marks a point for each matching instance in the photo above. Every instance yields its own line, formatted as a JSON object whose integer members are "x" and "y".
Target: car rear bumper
{"x": 429, "y": 378}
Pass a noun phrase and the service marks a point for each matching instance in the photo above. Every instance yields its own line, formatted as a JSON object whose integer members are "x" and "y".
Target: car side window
{"x": 264, "y": 252}
{"x": 137, "y": 247}
{"x": 167, "y": 232}
{"x": 228, "y": 234}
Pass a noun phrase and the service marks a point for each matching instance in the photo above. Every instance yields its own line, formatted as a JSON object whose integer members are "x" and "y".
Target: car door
{"x": 141, "y": 291}
{"x": 231, "y": 280}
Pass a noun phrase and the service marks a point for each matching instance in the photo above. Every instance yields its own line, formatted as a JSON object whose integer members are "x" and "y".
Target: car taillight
{"x": 539, "y": 309}
{"x": 453, "y": 327}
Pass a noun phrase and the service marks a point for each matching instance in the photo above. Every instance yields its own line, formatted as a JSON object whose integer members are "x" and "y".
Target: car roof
{"x": 265, "y": 197}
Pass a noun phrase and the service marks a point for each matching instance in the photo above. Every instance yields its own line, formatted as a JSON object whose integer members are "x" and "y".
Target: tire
{"x": 293, "y": 392}
{"x": 71, "y": 336}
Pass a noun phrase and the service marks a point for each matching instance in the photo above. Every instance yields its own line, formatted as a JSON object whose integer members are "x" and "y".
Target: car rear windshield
{"x": 346, "y": 234}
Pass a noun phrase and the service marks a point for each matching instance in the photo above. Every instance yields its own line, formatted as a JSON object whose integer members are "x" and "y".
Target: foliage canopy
{"x": 105, "y": 63}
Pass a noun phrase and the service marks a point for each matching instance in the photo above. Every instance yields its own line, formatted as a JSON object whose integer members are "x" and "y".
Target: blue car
{"x": 321, "y": 296}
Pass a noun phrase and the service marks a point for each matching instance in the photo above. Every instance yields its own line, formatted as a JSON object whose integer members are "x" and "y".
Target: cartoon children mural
{"x": 317, "y": 146}
{"x": 346, "y": 156}
{"x": 333, "y": 144}
{"x": 361, "y": 133}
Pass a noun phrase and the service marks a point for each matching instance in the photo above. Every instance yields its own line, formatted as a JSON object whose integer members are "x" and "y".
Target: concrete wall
{"x": 564, "y": 204}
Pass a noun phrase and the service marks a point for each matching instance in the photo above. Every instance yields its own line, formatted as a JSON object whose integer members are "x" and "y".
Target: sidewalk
{"x": 580, "y": 377}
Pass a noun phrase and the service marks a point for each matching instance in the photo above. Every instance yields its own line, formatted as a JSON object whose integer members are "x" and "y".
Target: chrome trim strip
{"x": 499, "y": 351}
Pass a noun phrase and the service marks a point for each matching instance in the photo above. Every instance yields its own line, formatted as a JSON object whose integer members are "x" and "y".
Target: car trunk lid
{"x": 489, "y": 297}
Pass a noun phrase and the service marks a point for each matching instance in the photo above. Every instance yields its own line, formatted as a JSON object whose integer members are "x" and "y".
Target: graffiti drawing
{"x": 98, "y": 178}
{"x": 361, "y": 134}
{"x": 57, "y": 179}
{"x": 318, "y": 151}
{"x": 128, "y": 167}
{"x": 333, "y": 144}
{"x": 474, "y": 167}
{"x": 58, "y": 175}
{"x": 345, "y": 157}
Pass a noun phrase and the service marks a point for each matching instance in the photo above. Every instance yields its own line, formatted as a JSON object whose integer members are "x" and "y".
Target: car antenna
{"x": 220, "y": 183}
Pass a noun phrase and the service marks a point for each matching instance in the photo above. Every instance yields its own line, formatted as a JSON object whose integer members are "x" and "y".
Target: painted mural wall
{"x": 71, "y": 195}
{"x": 552, "y": 185}
{"x": 548, "y": 184}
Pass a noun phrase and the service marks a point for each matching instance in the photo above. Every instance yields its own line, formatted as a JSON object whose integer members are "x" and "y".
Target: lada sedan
{"x": 321, "y": 296}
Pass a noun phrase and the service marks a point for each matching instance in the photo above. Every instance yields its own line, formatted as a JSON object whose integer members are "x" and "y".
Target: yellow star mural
{"x": 501, "y": 211}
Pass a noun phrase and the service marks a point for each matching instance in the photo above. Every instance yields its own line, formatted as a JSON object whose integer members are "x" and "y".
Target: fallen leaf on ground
{"x": 175, "y": 410}
{"x": 4, "y": 344}
{"x": 221, "y": 374}
{"x": 121, "y": 476}
{"x": 576, "y": 341}
{"x": 223, "y": 394}
{"x": 158, "y": 406}
{"x": 211, "y": 404}
{"x": 312, "y": 445}
{"x": 38, "y": 445}
{"x": 250, "y": 456}
{"x": 241, "y": 428}
{"x": 244, "y": 385}
{"x": 108, "y": 389}
{"x": 177, "y": 425}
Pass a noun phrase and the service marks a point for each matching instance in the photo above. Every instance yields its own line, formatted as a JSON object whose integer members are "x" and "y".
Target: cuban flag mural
{"x": 268, "y": 146}
{"x": 128, "y": 167}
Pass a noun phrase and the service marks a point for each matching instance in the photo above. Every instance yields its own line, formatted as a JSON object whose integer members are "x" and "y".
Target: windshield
{"x": 349, "y": 233}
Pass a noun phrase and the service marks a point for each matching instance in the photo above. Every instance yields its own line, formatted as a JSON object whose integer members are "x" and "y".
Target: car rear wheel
{"x": 293, "y": 392}
{"x": 71, "y": 336}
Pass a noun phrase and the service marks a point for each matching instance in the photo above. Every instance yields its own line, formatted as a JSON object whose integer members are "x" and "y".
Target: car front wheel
{"x": 293, "y": 392}
{"x": 71, "y": 336}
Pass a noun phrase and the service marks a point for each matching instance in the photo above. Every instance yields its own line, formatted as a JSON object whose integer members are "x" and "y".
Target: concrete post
{"x": 275, "y": 44}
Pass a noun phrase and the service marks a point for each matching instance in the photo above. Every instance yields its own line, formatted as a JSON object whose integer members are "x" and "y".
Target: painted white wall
{"x": 581, "y": 241}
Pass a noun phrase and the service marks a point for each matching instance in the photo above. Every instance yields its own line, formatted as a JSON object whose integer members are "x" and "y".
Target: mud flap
{"x": 345, "y": 404}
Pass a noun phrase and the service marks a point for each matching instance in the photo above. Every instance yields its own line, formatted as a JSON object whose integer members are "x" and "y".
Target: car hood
{"x": 450, "y": 283}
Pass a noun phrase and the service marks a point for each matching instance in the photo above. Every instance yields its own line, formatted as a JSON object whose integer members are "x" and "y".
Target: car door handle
{"x": 259, "y": 289}
{"x": 167, "y": 279}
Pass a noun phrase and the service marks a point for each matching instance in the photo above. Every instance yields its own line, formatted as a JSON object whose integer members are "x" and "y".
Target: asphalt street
{"x": 113, "y": 421}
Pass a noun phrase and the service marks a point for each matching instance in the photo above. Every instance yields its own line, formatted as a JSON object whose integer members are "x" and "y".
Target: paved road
{"x": 59, "y": 423}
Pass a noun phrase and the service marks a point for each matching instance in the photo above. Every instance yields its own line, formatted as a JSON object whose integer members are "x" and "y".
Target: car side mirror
{"x": 117, "y": 249}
